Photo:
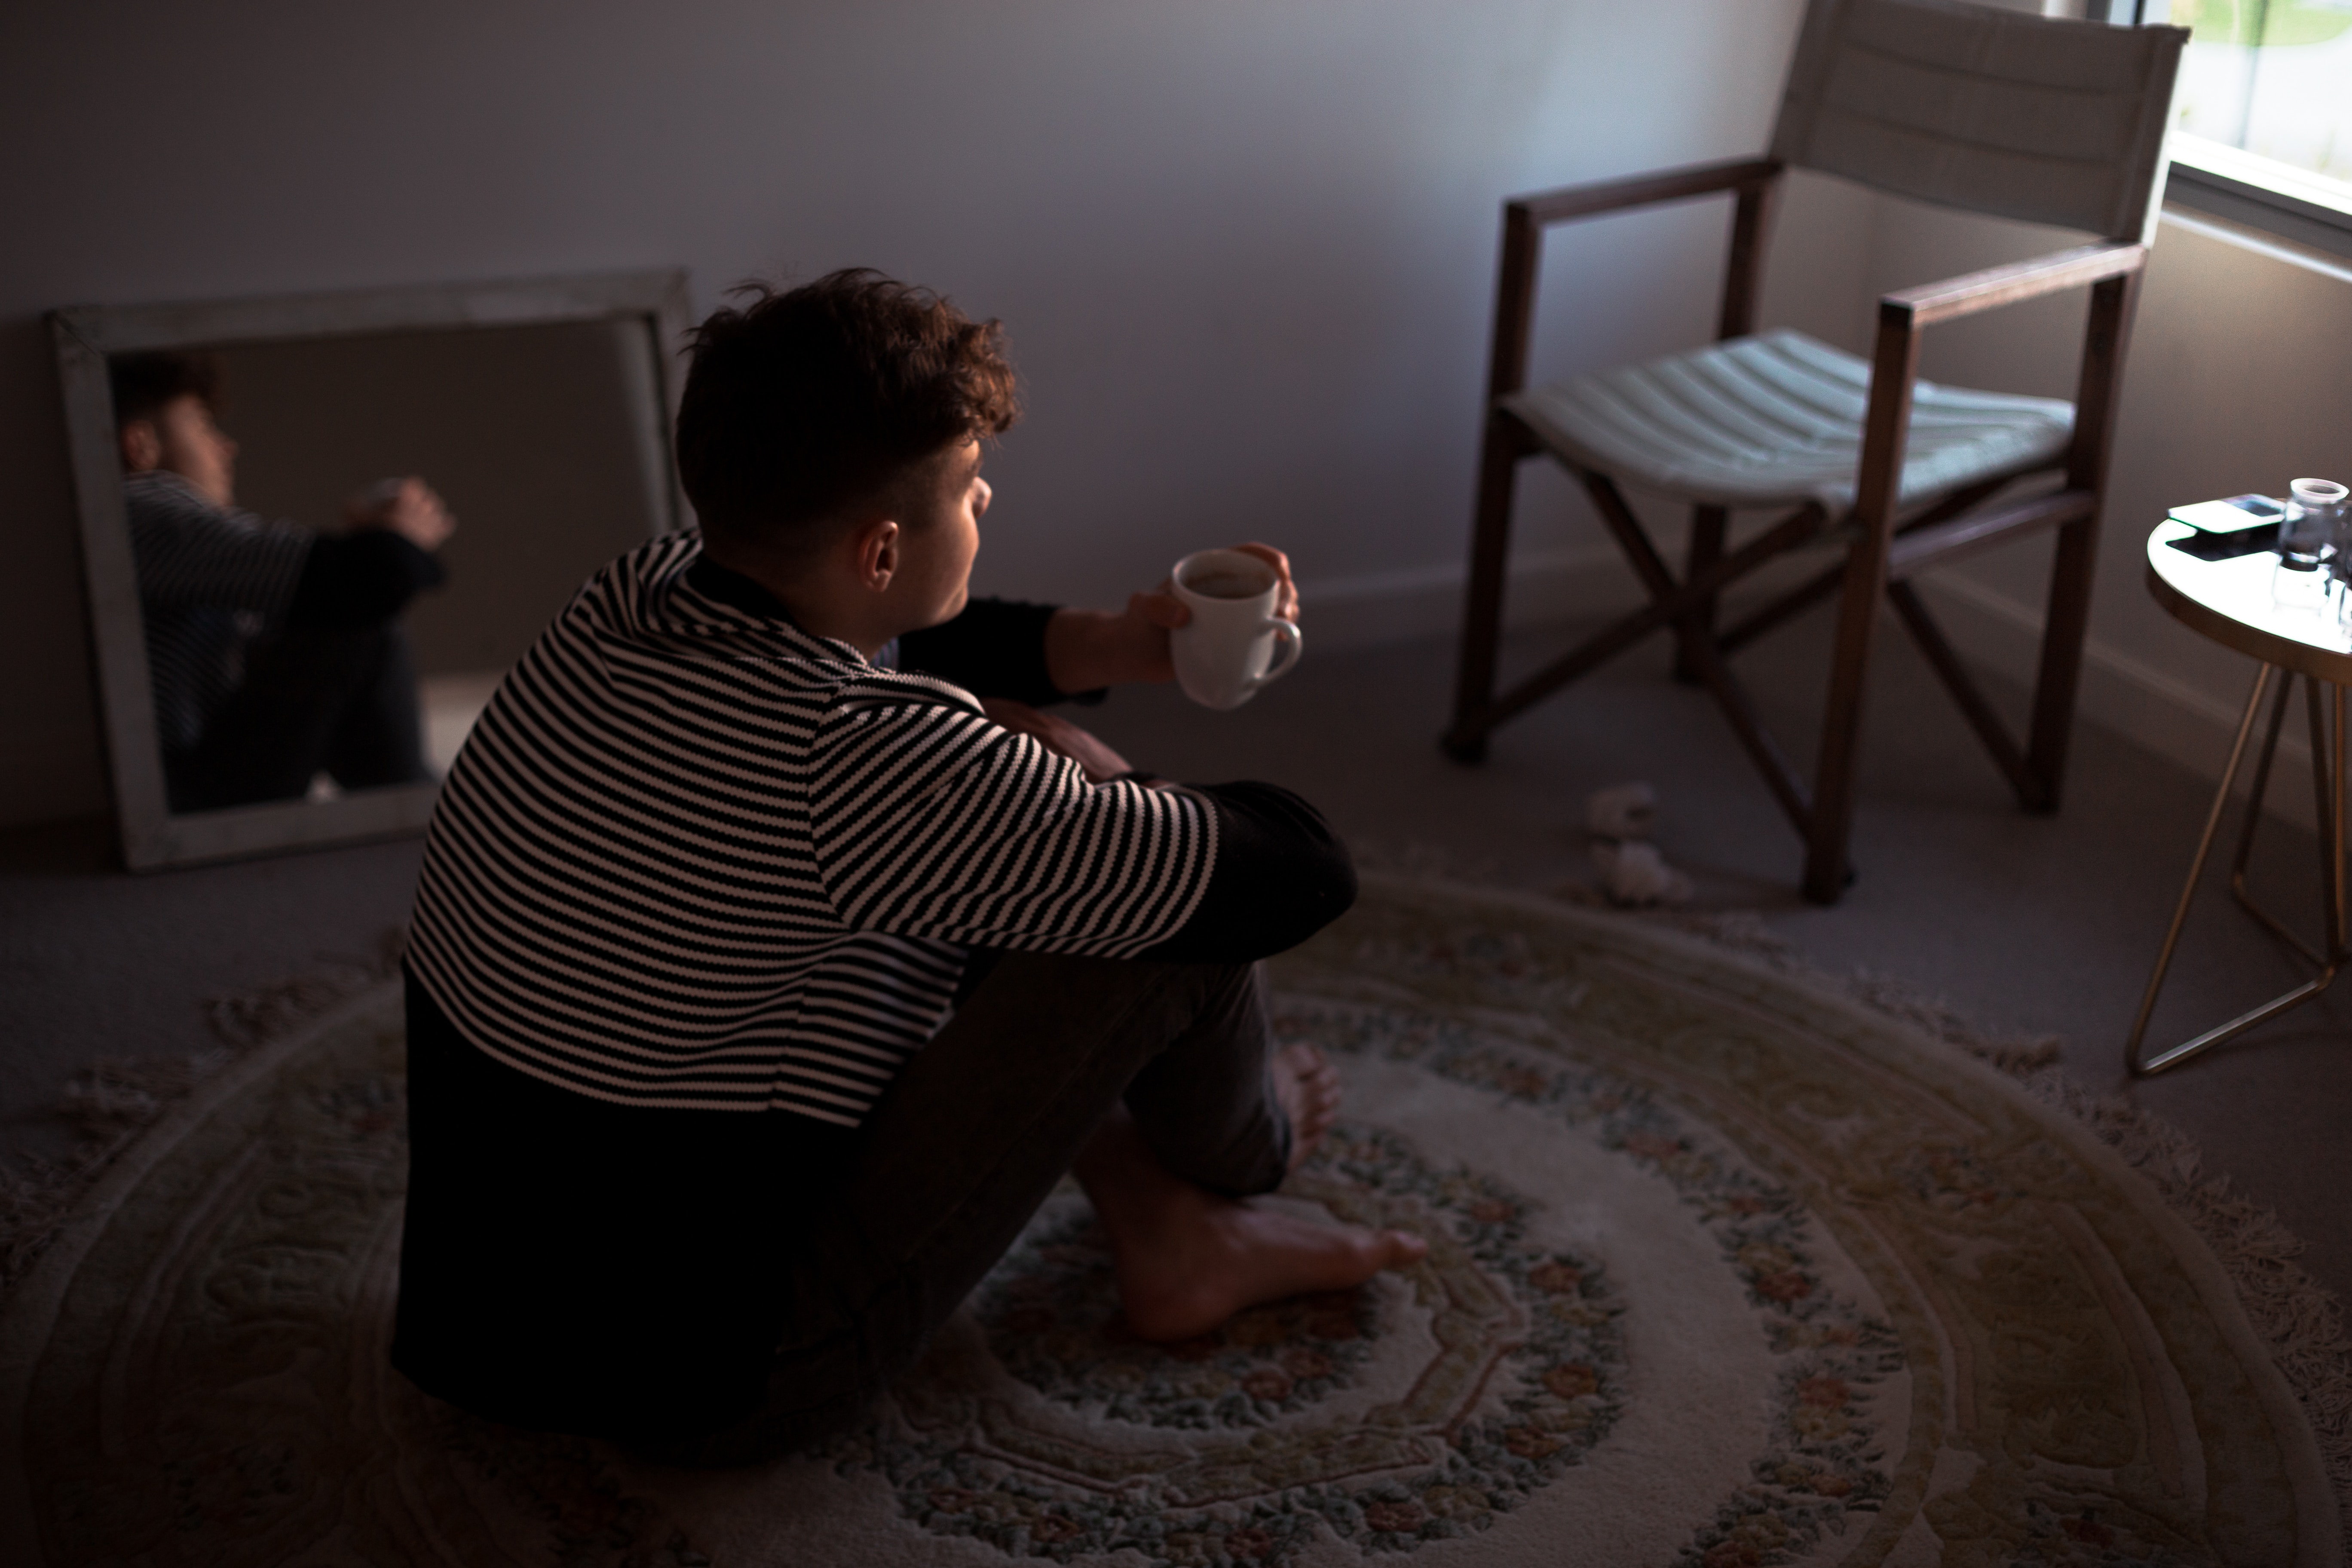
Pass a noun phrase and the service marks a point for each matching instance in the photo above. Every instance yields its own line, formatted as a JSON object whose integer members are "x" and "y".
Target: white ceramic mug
{"x": 1234, "y": 643}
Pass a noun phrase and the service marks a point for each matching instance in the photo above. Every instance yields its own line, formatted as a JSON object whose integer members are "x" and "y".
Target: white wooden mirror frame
{"x": 86, "y": 335}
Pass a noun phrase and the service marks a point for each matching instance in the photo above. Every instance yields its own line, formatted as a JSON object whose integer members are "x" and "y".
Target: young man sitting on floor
{"x": 772, "y": 961}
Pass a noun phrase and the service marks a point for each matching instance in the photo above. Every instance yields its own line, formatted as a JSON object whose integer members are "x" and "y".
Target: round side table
{"x": 2222, "y": 589}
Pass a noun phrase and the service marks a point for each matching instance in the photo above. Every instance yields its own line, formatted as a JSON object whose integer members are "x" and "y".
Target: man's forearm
{"x": 995, "y": 647}
{"x": 363, "y": 578}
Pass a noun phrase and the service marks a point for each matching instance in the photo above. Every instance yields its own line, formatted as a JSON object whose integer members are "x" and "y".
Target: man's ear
{"x": 874, "y": 545}
{"x": 142, "y": 445}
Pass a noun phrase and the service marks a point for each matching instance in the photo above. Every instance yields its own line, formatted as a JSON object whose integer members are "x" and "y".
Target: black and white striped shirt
{"x": 210, "y": 581}
{"x": 694, "y": 857}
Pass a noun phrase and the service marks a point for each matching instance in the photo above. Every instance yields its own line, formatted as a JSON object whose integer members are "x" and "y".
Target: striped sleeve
{"x": 931, "y": 821}
{"x": 192, "y": 554}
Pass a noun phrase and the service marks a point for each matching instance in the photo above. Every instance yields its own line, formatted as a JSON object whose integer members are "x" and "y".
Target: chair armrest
{"x": 1526, "y": 217}
{"x": 1998, "y": 286}
{"x": 1643, "y": 190}
{"x": 1895, "y": 364}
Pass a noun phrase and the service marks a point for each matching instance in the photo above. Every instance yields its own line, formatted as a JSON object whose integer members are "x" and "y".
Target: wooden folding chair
{"x": 1992, "y": 112}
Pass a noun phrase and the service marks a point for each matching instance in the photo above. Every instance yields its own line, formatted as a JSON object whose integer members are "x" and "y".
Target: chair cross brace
{"x": 1467, "y": 741}
{"x": 1822, "y": 584}
{"x": 1685, "y": 605}
{"x": 1681, "y": 604}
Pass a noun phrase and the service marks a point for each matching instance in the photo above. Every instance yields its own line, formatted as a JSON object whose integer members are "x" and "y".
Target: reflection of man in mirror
{"x": 276, "y": 651}
{"x": 772, "y": 961}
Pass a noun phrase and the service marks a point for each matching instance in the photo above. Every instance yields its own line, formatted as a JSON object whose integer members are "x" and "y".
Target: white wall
{"x": 1244, "y": 247}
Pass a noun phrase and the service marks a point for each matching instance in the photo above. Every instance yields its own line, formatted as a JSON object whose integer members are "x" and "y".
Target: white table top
{"x": 2230, "y": 601}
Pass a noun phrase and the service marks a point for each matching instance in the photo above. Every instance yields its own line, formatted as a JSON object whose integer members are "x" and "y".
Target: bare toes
{"x": 1307, "y": 1087}
{"x": 1401, "y": 1248}
{"x": 1243, "y": 1256}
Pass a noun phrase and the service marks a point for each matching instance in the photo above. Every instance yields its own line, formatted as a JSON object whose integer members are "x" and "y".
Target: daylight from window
{"x": 2274, "y": 77}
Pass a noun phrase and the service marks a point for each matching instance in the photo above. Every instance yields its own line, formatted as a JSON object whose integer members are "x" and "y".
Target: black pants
{"x": 341, "y": 702}
{"x": 650, "y": 1275}
{"x": 972, "y": 1137}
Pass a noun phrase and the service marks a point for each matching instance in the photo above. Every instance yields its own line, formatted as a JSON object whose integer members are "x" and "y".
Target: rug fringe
{"x": 2301, "y": 1320}
{"x": 110, "y": 1103}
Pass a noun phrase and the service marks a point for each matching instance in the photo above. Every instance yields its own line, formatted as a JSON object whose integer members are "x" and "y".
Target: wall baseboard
{"x": 1998, "y": 634}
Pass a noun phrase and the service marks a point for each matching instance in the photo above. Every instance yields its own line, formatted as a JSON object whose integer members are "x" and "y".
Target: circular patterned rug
{"x": 1724, "y": 1270}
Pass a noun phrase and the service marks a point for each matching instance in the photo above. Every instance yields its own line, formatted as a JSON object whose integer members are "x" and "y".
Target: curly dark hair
{"x": 801, "y": 405}
{"x": 144, "y": 383}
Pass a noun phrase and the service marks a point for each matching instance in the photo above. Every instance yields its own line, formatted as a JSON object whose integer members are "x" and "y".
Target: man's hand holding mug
{"x": 1090, "y": 648}
{"x": 1240, "y": 630}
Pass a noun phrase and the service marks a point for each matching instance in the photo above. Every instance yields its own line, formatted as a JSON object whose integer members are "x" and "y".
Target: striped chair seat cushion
{"x": 1776, "y": 420}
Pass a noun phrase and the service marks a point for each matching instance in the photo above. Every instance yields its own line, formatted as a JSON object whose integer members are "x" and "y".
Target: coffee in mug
{"x": 1227, "y": 584}
{"x": 1235, "y": 644}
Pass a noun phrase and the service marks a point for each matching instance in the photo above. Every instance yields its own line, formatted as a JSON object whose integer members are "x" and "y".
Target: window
{"x": 2273, "y": 77}
{"x": 2262, "y": 117}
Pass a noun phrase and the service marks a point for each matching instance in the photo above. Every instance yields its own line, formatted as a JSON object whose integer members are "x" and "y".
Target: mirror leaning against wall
{"x": 317, "y": 528}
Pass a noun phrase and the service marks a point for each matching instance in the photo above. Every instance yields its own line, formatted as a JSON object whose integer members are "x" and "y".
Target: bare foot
{"x": 1307, "y": 1087}
{"x": 1188, "y": 1259}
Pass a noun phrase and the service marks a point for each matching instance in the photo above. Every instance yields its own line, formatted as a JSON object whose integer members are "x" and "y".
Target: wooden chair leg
{"x": 1895, "y": 366}
{"x": 1827, "y": 871}
{"x": 2054, "y": 686}
{"x": 1708, "y": 527}
{"x": 1482, "y": 612}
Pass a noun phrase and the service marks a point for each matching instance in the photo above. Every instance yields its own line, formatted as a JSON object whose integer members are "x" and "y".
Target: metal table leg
{"x": 2329, "y": 785}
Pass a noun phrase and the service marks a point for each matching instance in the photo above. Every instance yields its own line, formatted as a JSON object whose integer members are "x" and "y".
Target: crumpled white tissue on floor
{"x": 1621, "y": 811}
{"x": 1638, "y": 874}
{"x": 1620, "y": 820}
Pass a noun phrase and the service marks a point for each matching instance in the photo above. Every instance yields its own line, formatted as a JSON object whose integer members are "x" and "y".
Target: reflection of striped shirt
{"x": 210, "y": 581}
{"x": 693, "y": 857}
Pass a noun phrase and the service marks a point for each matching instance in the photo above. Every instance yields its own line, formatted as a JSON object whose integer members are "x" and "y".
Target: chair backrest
{"x": 1994, "y": 111}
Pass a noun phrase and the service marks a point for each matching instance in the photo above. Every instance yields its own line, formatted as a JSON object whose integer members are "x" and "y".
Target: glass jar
{"x": 2310, "y": 551}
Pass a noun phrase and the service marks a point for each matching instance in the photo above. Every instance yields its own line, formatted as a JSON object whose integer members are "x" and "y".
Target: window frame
{"x": 2204, "y": 180}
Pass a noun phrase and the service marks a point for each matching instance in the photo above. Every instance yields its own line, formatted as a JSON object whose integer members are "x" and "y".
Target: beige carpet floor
{"x": 1727, "y": 1267}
